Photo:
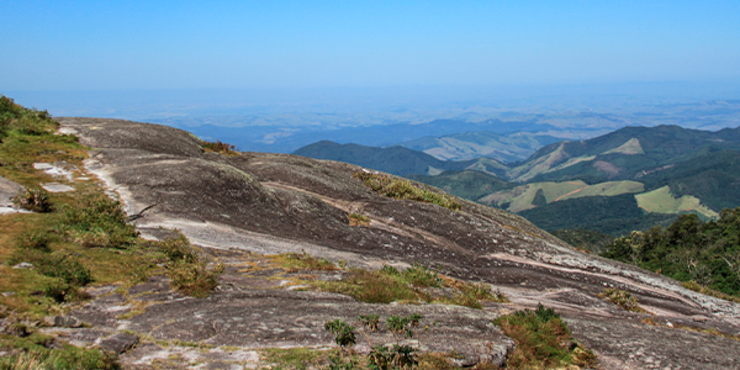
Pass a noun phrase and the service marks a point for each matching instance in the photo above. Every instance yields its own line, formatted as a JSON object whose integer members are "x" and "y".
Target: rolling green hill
{"x": 467, "y": 184}
{"x": 395, "y": 160}
{"x": 624, "y": 154}
{"x": 627, "y": 180}
{"x": 510, "y": 147}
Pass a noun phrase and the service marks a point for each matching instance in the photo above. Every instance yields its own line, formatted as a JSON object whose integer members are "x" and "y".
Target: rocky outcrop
{"x": 274, "y": 203}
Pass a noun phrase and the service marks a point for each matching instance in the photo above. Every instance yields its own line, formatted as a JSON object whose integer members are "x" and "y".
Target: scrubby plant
{"x": 344, "y": 334}
{"x": 397, "y": 188}
{"x": 369, "y": 321}
{"x": 33, "y": 199}
{"x": 623, "y": 299}
{"x": 356, "y": 219}
{"x": 98, "y": 222}
{"x": 220, "y": 148}
{"x": 543, "y": 341}
{"x": 188, "y": 271}
{"x": 421, "y": 276}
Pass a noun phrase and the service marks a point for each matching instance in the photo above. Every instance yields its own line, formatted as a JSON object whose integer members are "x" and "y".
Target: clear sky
{"x": 108, "y": 45}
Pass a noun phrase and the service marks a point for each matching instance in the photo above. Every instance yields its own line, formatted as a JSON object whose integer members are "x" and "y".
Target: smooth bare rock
{"x": 276, "y": 203}
{"x": 8, "y": 189}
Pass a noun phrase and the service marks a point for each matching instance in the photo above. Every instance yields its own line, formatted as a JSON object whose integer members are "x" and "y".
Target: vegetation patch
{"x": 295, "y": 262}
{"x": 623, "y": 299}
{"x": 397, "y": 188}
{"x": 98, "y": 222}
{"x": 356, "y": 219}
{"x": 33, "y": 199}
{"x": 31, "y": 353}
{"x": 689, "y": 250}
{"x": 220, "y": 148}
{"x": 414, "y": 284}
{"x": 693, "y": 285}
{"x": 293, "y": 358}
{"x": 543, "y": 341}
{"x": 188, "y": 271}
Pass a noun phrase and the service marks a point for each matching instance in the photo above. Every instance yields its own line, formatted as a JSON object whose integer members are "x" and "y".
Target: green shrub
{"x": 400, "y": 357}
{"x": 369, "y": 321}
{"x": 193, "y": 278}
{"x": 61, "y": 292}
{"x": 343, "y": 333}
{"x": 622, "y": 299}
{"x": 543, "y": 341}
{"x": 33, "y": 199}
{"x": 189, "y": 272}
{"x": 98, "y": 222}
{"x": 421, "y": 276}
{"x": 68, "y": 269}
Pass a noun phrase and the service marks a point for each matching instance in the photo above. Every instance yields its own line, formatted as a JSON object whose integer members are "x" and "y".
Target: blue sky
{"x": 109, "y": 45}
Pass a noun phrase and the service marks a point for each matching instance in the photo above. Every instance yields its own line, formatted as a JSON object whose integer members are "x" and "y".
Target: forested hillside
{"x": 689, "y": 250}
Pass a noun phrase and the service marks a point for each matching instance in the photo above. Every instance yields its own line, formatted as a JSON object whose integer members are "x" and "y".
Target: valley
{"x": 216, "y": 258}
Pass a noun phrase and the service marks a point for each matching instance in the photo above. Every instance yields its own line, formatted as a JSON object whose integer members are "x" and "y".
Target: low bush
{"x": 543, "y": 341}
{"x": 33, "y": 199}
{"x": 344, "y": 334}
{"x": 188, "y": 271}
{"x": 397, "y": 188}
{"x": 421, "y": 276}
{"x": 98, "y": 222}
{"x": 220, "y": 148}
{"x": 622, "y": 299}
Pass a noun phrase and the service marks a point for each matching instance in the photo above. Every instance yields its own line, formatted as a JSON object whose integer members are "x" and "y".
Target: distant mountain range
{"x": 512, "y": 147}
{"x": 632, "y": 178}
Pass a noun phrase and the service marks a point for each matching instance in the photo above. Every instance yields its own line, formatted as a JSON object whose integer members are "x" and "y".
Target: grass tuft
{"x": 33, "y": 199}
{"x": 623, "y": 299}
{"x": 98, "y": 222}
{"x": 188, "y": 271}
{"x": 543, "y": 341}
{"x": 397, "y": 188}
